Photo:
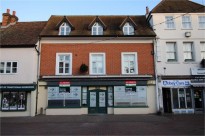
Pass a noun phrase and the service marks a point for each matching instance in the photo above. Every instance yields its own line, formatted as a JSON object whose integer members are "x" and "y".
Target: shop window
{"x": 175, "y": 98}
{"x": 182, "y": 98}
{"x": 129, "y": 63}
{"x": 8, "y": 67}
{"x": 123, "y": 98}
{"x": 13, "y": 101}
{"x": 63, "y": 64}
{"x": 97, "y": 63}
{"x": 57, "y": 98}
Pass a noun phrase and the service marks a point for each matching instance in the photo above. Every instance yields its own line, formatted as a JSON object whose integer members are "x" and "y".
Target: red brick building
{"x": 96, "y": 64}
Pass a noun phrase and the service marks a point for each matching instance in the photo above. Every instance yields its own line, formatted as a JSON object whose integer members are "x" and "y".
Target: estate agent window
{"x": 63, "y": 64}
{"x": 170, "y": 22}
{"x": 97, "y": 63}
{"x": 171, "y": 51}
{"x": 64, "y": 29}
{"x": 129, "y": 63}
{"x": 13, "y": 101}
{"x": 186, "y": 22}
{"x": 127, "y": 98}
{"x": 201, "y": 22}
{"x": 188, "y": 51}
{"x": 8, "y": 67}
{"x": 128, "y": 29}
{"x": 60, "y": 98}
{"x": 97, "y": 29}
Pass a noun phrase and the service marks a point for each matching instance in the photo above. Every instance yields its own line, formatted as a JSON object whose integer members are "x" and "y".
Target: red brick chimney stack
{"x": 14, "y": 18}
{"x": 6, "y": 18}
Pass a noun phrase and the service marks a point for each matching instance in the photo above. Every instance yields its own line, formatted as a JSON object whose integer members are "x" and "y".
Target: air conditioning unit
{"x": 187, "y": 34}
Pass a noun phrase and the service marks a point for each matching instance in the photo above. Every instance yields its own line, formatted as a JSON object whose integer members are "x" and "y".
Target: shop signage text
{"x": 171, "y": 83}
{"x": 64, "y": 84}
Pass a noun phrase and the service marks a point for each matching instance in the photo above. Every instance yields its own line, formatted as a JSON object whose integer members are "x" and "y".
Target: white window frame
{"x": 170, "y": 22}
{"x": 57, "y": 64}
{"x": 186, "y": 23}
{"x": 191, "y": 51}
{"x": 135, "y": 64}
{"x": 11, "y": 68}
{"x": 64, "y": 26}
{"x": 173, "y": 52}
{"x": 202, "y": 47}
{"x": 128, "y": 26}
{"x": 97, "y": 26}
{"x": 201, "y": 22}
{"x": 91, "y": 64}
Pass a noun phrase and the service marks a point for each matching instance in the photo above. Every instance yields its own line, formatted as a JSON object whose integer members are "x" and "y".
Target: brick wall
{"x": 80, "y": 54}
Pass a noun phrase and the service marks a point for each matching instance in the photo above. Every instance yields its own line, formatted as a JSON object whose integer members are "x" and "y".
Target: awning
{"x": 17, "y": 87}
{"x": 198, "y": 84}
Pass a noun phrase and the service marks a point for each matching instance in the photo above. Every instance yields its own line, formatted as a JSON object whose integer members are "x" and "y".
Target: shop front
{"x": 180, "y": 97}
{"x": 96, "y": 96}
{"x": 17, "y": 100}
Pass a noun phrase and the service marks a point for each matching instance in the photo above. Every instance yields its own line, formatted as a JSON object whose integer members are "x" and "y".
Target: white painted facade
{"x": 178, "y": 68}
{"x": 26, "y": 59}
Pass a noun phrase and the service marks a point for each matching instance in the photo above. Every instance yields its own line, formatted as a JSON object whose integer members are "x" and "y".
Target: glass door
{"x": 97, "y": 101}
{"x": 198, "y": 99}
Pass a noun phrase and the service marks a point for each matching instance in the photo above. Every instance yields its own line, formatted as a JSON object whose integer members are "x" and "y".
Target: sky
{"x": 41, "y": 10}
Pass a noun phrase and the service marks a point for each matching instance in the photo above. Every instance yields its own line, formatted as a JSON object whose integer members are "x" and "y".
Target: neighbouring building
{"x": 18, "y": 65}
{"x": 180, "y": 48}
{"x": 96, "y": 64}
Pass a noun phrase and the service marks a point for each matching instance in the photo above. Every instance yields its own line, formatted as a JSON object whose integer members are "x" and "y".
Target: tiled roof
{"x": 178, "y": 6}
{"x": 21, "y": 33}
{"x": 81, "y": 25}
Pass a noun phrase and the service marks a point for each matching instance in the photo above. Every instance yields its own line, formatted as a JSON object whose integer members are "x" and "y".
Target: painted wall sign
{"x": 175, "y": 83}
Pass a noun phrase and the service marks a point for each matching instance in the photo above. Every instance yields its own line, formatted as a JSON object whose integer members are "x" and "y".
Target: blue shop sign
{"x": 175, "y": 83}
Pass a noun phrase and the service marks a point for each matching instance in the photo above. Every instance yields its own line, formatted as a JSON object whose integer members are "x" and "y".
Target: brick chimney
{"x": 6, "y": 17}
{"x": 14, "y": 18}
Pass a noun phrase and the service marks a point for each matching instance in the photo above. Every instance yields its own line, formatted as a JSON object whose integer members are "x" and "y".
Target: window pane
{"x": 182, "y": 98}
{"x": 175, "y": 98}
{"x": 188, "y": 98}
{"x": 201, "y": 21}
{"x": 129, "y": 63}
{"x": 60, "y": 70}
{"x": 22, "y": 101}
{"x": 202, "y": 50}
{"x": 2, "y": 65}
{"x": 13, "y": 101}
{"x": 8, "y": 67}
{"x": 5, "y": 101}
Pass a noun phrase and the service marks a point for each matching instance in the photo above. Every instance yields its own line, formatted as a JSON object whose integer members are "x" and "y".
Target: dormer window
{"x": 97, "y": 29}
{"x": 64, "y": 29}
{"x": 128, "y": 29}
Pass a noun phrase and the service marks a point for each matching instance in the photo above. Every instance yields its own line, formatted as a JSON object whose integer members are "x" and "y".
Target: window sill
{"x": 62, "y": 107}
{"x": 187, "y": 29}
{"x": 131, "y": 106}
{"x": 201, "y": 28}
{"x": 170, "y": 29}
{"x": 13, "y": 110}
{"x": 173, "y": 62}
{"x": 190, "y": 62}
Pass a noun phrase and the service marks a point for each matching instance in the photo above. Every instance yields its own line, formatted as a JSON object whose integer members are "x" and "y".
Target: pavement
{"x": 116, "y": 125}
